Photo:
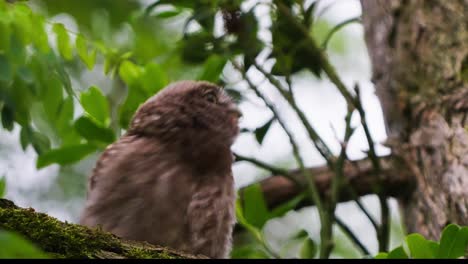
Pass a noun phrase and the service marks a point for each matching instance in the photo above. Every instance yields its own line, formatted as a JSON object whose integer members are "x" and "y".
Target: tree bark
{"x": 419, "y": 52}
{"x": 65, "y": 240}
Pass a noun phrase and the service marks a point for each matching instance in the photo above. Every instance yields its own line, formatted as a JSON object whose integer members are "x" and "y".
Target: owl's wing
{"x": 138, "y": 192}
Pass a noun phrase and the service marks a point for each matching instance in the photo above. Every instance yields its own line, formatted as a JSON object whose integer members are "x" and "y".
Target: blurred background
{"x": 60, "y": 190}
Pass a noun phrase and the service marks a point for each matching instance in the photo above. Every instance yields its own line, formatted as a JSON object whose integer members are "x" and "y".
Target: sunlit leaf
{"x": 419, "y": 247}
{"x": 381, "y": 255}
{"x": 63, "y": 41}
{"x": 96, "y": 105}
{"x": 65, "y": 155}
{"x": 92, "y": 131}
{"x": 154, "y": 78}
{"x": 88, "y": 58}
{"x": 130, "y": 73}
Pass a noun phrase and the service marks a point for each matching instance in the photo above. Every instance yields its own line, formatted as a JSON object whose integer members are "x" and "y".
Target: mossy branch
{"x": 66, "y": 240}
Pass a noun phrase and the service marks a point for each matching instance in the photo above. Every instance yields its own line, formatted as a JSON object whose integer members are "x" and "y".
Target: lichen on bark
{"x": 67, "y": 240}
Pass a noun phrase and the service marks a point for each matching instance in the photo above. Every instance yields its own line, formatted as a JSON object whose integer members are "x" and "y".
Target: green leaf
{"x": 397, "y": 253}
{"x": 8, "y": 118}
{"x": 249, "y": 251}
{"x": 261, "y": 131}
{"x": 243, "y": 221}
{"x": 213, "y": 68}
{"x": 65, "y": 79}
{"x": 255, "y": 208}
{"x": 154, "y": 78}
{"x": 64, "y": 119}
{"x": 308, "y": 249}
{"x": 2, "y": 186}
{"x": 96, "y": 105}
{"x": 287, "y": 206}
{"x": 63, "y": 41}
{"x": 24, "y": 138}
{"x": 6, "y": 71}
{"x": 5, "y": 36}
{"x": 381, "y": 255}
{"x": 40, "y": 142}
{"x": 168, "y": 13}
{"x": 40, "y": 38}
{"x": 65, "y": 155}
{"x": 453, "y": 243}
{"x": 419, "y": 247}
{"x": 52, "y": 97}
{"x": 134, "y": 98}
{"x": 14, "y": 246}
{"x": 92, "y": 131}
{"x": 82, "y": 49}
{"x": 130, "y": 73}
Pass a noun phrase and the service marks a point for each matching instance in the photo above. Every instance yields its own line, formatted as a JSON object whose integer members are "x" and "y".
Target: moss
{"x": 66, "y": 240}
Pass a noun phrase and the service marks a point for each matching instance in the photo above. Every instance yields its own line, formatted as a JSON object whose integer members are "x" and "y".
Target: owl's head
{"x": 189, "y": 112}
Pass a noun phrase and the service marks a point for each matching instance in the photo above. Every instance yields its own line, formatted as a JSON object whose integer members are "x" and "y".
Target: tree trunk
{"x": 65, "y": 240}
{"x": 419, "y": 52}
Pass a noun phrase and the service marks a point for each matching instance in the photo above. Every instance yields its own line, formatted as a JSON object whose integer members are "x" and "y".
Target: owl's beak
{"x": 235, "y": 110}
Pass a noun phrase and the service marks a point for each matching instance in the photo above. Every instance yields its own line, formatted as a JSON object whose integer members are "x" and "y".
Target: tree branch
{"x": 65, "y": 240}
{"x": 359, "y": 174}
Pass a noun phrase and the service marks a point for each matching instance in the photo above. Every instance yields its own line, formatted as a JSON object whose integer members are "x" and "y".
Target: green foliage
{"x": 2, "y": 186}
{"x": 453, "y": 244}
{"x": 14, "y": 246}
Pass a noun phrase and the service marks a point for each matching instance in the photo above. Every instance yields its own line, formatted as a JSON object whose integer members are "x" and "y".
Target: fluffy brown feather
{"x": 168, "y": 180}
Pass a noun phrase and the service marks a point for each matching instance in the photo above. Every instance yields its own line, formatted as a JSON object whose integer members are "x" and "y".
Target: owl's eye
{"x": 211, "y": 97}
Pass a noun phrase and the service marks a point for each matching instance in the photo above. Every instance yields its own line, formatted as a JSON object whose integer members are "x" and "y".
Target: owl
{"x": 168, "y": 180}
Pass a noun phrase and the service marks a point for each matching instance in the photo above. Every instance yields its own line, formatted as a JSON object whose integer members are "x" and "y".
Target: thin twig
{"x": 272, "y": 169}
{"x": 351, "y": 236}
{"x": 314, "y": 136}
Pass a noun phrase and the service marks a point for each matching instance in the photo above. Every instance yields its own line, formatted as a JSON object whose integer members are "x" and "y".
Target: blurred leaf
{"x": 5, "y": 35}
{"x": 154, "y": 78}
{"x": 419, "y": 247}
{"x": 24, "y": 138}
{"x": 381, "y": 255}
{"x": 454, "y": 242}
{"x": 82, "y": 49}
{"x": 65, "y": 79}
{"x": 243, "y": 221}
{"x": 6, "y": 71}
{"x": 65, "y": 155}
{"x": 248, "y": 252}
{"x": 40, "y": 142}
{"x": 287, "y": 206}
{"x": 168, "y": 13}
{"x": 2, "y": 186}
{"x": 308, "y": 249}
{"x": 261, "y": 131}
{"x": 63, "y": 41}
{"x": 213, "y": 68}
{"x": 135, "y": 97}
{"x": 14, "y": 246}
{"x": 302, "y": 234}
{"x": 130, "y": 73}
{"x": 65, "y": 117}
{"x": 52, "y": 97}
{"x": 92, "y": 131}
{"x": 397, "y": 253}
{"x": 197, "y": 47}
{"x": 255, "y": 208}
{"x": 8, "y": 118}
{"x": 40, "y": 38}
{"x": 95, "y": 104}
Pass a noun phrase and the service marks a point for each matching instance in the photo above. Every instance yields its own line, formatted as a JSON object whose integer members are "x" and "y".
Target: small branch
{"x": 314, "y": 136}
{"x": 351, "y": 236}
{"x": 359, "y": 175}
{"x": 64, "y": 240}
